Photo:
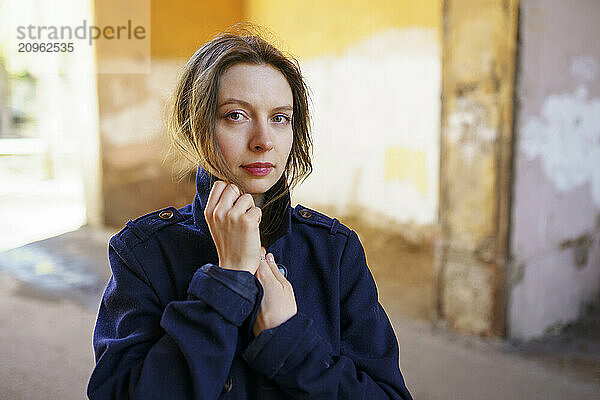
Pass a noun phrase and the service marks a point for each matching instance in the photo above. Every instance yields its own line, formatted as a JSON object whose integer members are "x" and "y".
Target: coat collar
{"x": 204, "y": 182}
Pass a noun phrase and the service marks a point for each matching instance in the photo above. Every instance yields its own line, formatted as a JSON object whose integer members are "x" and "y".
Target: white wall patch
{"x": 566, "y": 137}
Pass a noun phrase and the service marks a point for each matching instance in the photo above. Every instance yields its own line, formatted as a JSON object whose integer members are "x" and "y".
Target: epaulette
{"x": 312, "y": 217}
{"x": 148, "y": 224}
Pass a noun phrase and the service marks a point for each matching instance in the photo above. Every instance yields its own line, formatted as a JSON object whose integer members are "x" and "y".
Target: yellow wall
{"x": 179, "y": 27}
{"x": 374, "y": 72}
{"x": 403, "y": 164}
{"x": 314, "y": 27}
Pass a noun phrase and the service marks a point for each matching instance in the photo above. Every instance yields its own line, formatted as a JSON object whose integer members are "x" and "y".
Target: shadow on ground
{"x": 73, "y": 265}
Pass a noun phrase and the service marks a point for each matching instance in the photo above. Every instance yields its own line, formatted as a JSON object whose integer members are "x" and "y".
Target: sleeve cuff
{"x": 282, "y": 347}
{"x": 231, "y": 293}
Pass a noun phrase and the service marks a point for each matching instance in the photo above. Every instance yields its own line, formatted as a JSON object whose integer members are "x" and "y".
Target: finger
{"x": 254, "y": 214}
{"x": 263, "y": 251}
{"x": 243, "y": 203}
{"x": 274, "y": 269}
{"x": 228, "y": 197}
{"x": 214, "y": 196}
{"x": 269, "y": 274}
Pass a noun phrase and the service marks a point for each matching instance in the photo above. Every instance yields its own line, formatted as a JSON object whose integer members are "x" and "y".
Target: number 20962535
{"x": 26, "y": 47}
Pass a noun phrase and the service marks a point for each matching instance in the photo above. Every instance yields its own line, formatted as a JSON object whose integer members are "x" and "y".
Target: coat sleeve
{"x": 181, "y": 351}
{"x": 302, "y": 363}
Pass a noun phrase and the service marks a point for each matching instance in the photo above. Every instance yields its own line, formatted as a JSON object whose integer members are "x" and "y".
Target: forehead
{"x": 255, "y": 84}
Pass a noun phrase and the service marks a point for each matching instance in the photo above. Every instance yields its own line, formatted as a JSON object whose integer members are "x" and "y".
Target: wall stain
{"x": 517, "y": 273}
{"x": 485, "y": 250}
{"x": 464, "y": 88}
{"x": 581, "y": 248}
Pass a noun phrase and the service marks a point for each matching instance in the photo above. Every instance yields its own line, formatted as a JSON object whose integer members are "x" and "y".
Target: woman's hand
{"x": 234, "y": 221}
{"x": 278, "y": 303}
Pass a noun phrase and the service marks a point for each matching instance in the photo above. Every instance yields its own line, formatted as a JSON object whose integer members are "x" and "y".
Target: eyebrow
{"x": 245, "y": 103}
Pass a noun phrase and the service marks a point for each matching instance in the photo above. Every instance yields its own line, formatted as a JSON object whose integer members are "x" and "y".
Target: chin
{"x": 258, "y": 187}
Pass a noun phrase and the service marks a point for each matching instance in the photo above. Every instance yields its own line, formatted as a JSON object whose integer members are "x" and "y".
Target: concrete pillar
{"x": 478, "y": 64}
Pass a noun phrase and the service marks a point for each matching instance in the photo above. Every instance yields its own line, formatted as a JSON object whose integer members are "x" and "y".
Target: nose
{"x": 260, "y": 140}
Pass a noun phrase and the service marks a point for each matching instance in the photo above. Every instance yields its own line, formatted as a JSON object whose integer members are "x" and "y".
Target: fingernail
{"x": 270, "y": 257}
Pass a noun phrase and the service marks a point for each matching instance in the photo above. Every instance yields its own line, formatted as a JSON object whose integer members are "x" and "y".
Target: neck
{"x": 258, "y": 199}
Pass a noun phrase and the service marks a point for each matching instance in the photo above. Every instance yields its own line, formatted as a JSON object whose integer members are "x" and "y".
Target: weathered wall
{"x": 556, "y": 210}
{"x": 479, "y": 43}
{"x": 132, "y": 107}
{"x": 374, "y": 72}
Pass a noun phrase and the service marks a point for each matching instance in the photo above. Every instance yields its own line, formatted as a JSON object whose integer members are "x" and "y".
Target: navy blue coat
{"x": 173, "y": 325}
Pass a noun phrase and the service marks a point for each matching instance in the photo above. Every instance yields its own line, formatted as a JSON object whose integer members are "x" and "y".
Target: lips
{"x": 258, "y": 168}
{"x": 258, "y": 165}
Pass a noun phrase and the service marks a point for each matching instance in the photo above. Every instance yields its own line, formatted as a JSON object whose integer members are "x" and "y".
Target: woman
{"x": 238, "y": 294}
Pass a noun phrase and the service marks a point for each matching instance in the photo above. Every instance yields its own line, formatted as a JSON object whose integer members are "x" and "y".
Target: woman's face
{"x": 254, "y": 124}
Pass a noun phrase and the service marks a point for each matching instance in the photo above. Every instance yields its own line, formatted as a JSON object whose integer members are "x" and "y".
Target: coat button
{"x": 166, "y": 214}
{"x": 305, "y": 213}
{"x": 228, "y": 385}
{"x": 282, "y": 269}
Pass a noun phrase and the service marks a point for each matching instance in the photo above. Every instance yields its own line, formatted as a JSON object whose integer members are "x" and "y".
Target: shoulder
{"x": 313, "y": 218}
{"x": 335, "y": 237}
{"x": 140, "y": 229}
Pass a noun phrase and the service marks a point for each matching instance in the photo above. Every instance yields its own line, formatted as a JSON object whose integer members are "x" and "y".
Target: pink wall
{"x": 555, "y": 266}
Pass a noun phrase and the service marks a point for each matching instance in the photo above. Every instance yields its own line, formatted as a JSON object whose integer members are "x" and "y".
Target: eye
{"x": 235, "y": 116}
{"x": 281, "y": 119}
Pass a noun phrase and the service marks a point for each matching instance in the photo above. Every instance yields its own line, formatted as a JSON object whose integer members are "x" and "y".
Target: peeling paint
{"x": 468, "y": 126}
{"x": 566, "y": 137}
